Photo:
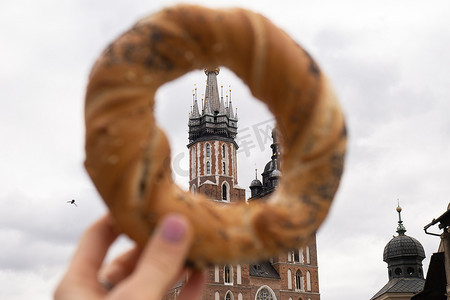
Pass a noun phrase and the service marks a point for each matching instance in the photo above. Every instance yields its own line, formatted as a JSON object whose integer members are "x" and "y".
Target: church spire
{"x": 215, "y": 118}
{"x": 207, "y": 109}
{"x": 222, "y": 110}
{"x": 195, "y": 110}
{"x": 230, "y": 107}
{"x": 212, "y": 91}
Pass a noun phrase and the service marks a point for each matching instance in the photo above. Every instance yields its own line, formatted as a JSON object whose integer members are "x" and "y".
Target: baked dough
{"x": 128, "y": 155}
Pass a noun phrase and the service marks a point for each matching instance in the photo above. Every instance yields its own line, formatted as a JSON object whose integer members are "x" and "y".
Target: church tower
{"x": 403, "y": 255}
{"x": 212, "y": 146}
{"x": 213, "y": 172}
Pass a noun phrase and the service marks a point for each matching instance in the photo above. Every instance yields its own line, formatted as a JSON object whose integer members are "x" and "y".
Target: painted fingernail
{"x": 106, "y": 284}
{"x": 173, "y": 228}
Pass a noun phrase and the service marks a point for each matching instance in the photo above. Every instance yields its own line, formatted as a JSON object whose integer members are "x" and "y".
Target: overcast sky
{"x": 389, "y": 64}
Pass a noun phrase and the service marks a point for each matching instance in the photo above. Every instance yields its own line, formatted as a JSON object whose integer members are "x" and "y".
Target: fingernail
{"x": 106, "y": 284}
{"x": 173, "y": 228}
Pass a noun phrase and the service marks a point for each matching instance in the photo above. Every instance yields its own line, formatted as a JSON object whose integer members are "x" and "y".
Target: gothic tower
{"x": 212, "y": 148}
{"x": 213, "y": 172}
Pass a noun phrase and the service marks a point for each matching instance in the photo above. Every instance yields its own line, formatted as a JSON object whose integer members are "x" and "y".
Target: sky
{"x": 388, "y": 62}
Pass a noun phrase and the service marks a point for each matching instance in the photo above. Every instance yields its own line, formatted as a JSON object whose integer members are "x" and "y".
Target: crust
{"x": 128, "y": 155}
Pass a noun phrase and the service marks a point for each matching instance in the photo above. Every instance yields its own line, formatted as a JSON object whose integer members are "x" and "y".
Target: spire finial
{"x": 400, "y": 228}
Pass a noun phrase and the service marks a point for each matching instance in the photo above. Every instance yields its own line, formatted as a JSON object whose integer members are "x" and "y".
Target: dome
{"x": 275, "y": 173}
{"x": 403, "y": 246}
{"x": 255, "y": 183}
{"x": 269, "y": 166}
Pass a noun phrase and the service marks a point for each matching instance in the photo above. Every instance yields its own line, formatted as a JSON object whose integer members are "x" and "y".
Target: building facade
{"x": 213, "y": 171}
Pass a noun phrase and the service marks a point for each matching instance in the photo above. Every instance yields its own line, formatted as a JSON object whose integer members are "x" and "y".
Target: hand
{"x": 136, "y": 274}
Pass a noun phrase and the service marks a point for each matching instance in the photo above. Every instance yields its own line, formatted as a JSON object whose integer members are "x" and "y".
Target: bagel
{"x": 128, "y": 155}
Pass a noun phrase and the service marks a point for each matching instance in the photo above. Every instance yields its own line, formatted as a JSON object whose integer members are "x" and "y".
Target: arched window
{"x": 228, "y": 274}
{"x": 265, "y": 294}
{"x": 301, "y": 256}
{"x": 208, "y": 167}
{"x": 208, "y": 150}
{"x": 216, "y": 273}
{"x": 224, "y": 192}
{"x": 238, "y": 274}
{"x": 308, "y": 258}
{"x": 289, "y": 278}
{"x": 299, "y": 281}
{"x": 229, "y": 296}
{"x": 224, "y": 152}
{"x": 224, "y": 169}
{"x": 308, "y": 281}
{"x": 296, "y": 256}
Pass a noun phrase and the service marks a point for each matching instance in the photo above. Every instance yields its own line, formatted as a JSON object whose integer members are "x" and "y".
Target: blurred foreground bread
{"x": 128, "y": 155}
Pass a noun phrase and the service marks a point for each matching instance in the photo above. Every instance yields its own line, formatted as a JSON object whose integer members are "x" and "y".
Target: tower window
{"x": 224, "y": 192}
{"x": 224, "y": 169}
{"x": 223, "y": 151}
{"x": 289, "y": 277}
{"x": 299, "y": 281}
{"x": 398, "y": 271}
{"x": 208, "y": 167}
{"x": 308, "y": 257}
{"x": 308, "y": 281}
{"x": 228, "y": 275}
{"x": 208, "y": 150}
{"x": 410, "y": 270}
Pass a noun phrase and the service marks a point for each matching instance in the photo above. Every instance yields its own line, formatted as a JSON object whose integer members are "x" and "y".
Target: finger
{"x": 121, "y": 267}
{"x": 193, "y": 288}
{"x": 92, "y": 249}
{"x": 86, "y": 261}
{"x": 162, "y": 259}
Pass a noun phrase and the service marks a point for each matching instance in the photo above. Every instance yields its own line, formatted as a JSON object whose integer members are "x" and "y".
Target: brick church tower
{"x": 213, "y": 172}
{"x": 212, "y": 149}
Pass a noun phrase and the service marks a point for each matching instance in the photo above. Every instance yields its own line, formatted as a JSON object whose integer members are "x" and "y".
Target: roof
{"x": 401, "y": 285}
{"x": 212, "y": 92}
{"x": 255, "y": 182}
{"x": 263, "y": 269}
{"x": 403, "y": 246}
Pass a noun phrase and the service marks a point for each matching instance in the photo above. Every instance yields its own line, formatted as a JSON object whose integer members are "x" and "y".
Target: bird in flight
{"x": 72, "y": 202}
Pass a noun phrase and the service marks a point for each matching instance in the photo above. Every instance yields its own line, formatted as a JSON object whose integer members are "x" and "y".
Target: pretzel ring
{"x": 128, "y": 156}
